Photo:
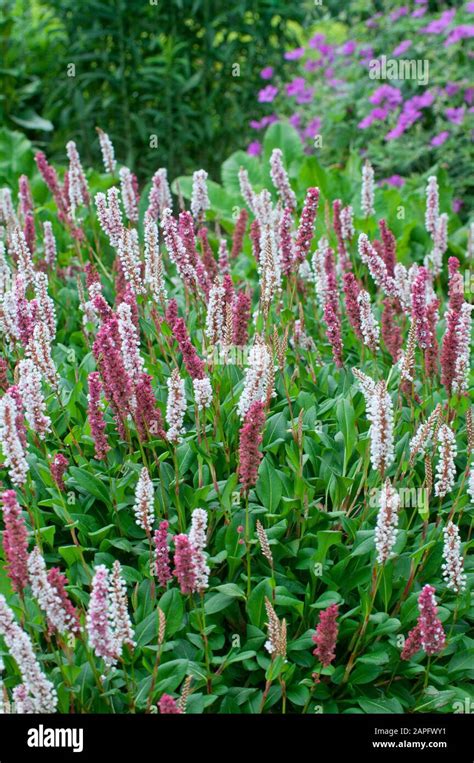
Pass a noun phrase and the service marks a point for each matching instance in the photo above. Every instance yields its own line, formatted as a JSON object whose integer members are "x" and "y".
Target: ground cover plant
{"x": 393, "y": 84}
{"x": 237, "y": 442}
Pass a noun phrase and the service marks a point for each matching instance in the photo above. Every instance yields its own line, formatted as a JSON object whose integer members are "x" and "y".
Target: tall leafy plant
{"x": 166, "y": 80}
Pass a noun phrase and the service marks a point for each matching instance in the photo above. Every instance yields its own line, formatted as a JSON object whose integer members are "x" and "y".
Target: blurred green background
{"x": 142, "y": 68}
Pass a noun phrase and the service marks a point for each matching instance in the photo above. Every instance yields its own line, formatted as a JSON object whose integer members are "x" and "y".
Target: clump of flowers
{"x": 60, "y": 617}
{"x": 108, "y": 622}
{"x": 428, "y": 634}
{"x": 36, "y": 693}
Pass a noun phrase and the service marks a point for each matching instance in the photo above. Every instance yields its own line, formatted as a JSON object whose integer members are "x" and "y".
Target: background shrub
{"x": 141, "y": 70}
{"x": 326, "y": 90}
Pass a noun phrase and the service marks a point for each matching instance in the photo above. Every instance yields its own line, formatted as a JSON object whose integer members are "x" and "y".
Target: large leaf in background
{"x": 221, "y": 201}
{"x": 16, "y": 157}
{"x": 230, "y": 171}
{"x": 30, "y": 120}
{"x": 285, "y": 137}
{"x": 312, "y": 174}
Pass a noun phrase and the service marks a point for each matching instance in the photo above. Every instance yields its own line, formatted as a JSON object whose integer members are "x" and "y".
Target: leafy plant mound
{"x": 393, "y": 85}
{"x": 236, "y": 441}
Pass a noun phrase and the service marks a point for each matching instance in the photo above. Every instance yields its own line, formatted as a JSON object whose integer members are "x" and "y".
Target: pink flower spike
{"x": 239, "y": 233}
{"x": 167, "y": 706}
{"x": 351, "y": 292}
{"x": 99, "y": 630}
{"x": 96, "y": 416}
{"x": 58, "y": 466}
{"x": 286, "y": 242}
{"x": 326, "y": 635}
{"x": 15, "y": 542}
{"x": 305, "y": 232}
{"x": 240, "y": 318}
{"x": 249, "y": 441}
{"x": 58, "y": 582}
{"x": 433, "y": 638}
{"x": 412, "y": 643}
{"x": 162, "y": 554}
{"x": 281, "y": 181}
{"x": 192, "y": 361}
{"x": 184, "y": 564}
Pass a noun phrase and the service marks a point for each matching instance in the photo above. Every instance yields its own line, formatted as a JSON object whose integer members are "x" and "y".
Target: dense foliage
{"x": 152, "y": 73}
{"x": 406, "y": 121}
{"x": 280, "y": 550}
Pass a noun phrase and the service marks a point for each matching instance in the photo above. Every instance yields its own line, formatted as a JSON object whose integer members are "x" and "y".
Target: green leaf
{"x": 172, "y": 605}
{"x": 391, "y": 625}
{"x": 364, "y": 674}
{"x": 99, "y": 535}
{"x": 298, "y": 695}
{"x": 268, "y": 487}
{"x": 462, "y": 661}
{"x": 326, "y": 599}
{"x": 30, "y": 120}
{"x": 345, "y": 420}
{"x": 48, "y": 534}
{"x": 283, "y": 136}
{"x": 217, "y": 602}
{"x": 434, "y": 699}
{"x": 364, "y": 543}
{"x": 170, "y": 675}
{"x": 275, "y": 668}
{"x": 238, "y": 657}
{"x": 326, "y": 539}
{"x": 383, "y": 705}
{"x": 256, "y": 603}
{"x": 275, "y": 429}
{"x": 71, "y": 554}
{"x": 230, "y": 171}
{"x": 312, "y": 174}
{"x": 231, "y": 589}
{"x": 90, "y": 483}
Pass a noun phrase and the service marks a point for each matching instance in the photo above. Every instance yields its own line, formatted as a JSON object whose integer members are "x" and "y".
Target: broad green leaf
{"x": 90, "y": 483}
{"x": 268, "y": 487}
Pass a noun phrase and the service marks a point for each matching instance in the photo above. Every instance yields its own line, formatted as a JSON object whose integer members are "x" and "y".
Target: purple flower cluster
{"x": 268, "y": 94}
{"x": 329, "y": 60}
{"x": 410, "y": 113}
{"x": 386, "y": 99}
{"x": 438, "y": 26}
{"x": 297, "y": 89}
